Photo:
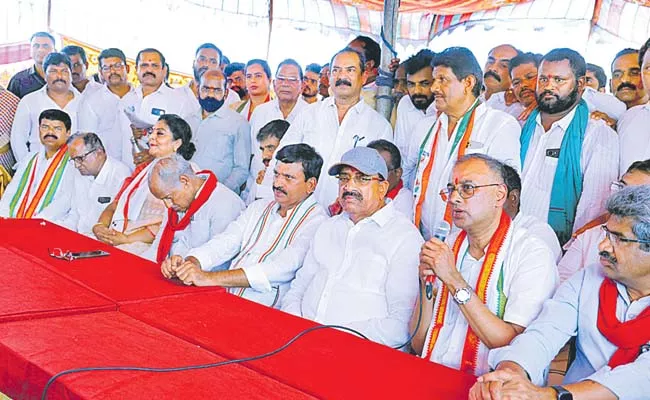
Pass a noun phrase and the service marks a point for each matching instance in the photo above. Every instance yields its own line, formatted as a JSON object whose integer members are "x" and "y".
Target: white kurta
{"x": 318, "y": 126}
{"x": 25, "y": 137}
{"x": 403, "y": 202}
{"x": 407, "y": 118}
{"x": 362, "y": 276}
{"x": 599, "y": 165}
{"x": 62, "y": 199}
{"x": 280, "y": 267}
{"x": 495, "y": 133}
{"x": 581, "y": 252}
{"x": 93, "y": 194}
{"x": 634, "y": 136}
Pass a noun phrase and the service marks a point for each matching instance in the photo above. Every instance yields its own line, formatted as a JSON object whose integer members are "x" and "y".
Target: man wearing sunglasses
{"x": 606, "y": 306}
{"x": 491, "y": 278}
{"x": 361, "y": 268}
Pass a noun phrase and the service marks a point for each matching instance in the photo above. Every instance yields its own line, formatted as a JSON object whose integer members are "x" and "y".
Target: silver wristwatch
{"x": 462, "y": 295}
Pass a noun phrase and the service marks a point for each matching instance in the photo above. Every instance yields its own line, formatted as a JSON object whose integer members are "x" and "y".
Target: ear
{"x": 469, "y": 82}
{"x": 502, "y": 194}
{"x": 311, "y": 185}
{"x": 399, "y": 172}
{"x": 581, "y": 82}
{"x": 185, "y": 180}
{"x": 611, "y": 86}
{"x": 128, "y": 68}
{"x": 383, "y": 188}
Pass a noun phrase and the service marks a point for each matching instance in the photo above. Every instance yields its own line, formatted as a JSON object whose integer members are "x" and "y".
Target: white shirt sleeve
{"x": 20, "y": 130}
{"x": 603, "y": 102}
{"x": 292, "y": 302}
{"x": 241, "y": 157}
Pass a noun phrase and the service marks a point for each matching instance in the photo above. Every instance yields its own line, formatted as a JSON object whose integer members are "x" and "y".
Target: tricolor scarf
{"x": 427, "y": 156}
{"x": 567, "y": 182}
{"x": 627, "y": 336}
{"x": 31, "y": 203}
{"x": 130, "y": 194}
{"x": 489, "y": 289}
{"x": 174, "y": 225}
{"x": 292, "y": 223}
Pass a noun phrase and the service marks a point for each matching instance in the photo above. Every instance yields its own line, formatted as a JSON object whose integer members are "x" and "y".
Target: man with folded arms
{"x": 490, "y": 279}
{"x": 43, "y": 185}
{"x": 268, "y": 241}
{"x": 606, "y": 306}
{"x": 361, "y": 268}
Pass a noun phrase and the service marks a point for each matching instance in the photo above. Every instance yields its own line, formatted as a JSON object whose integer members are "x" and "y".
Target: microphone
{"x": 440, "y": 233}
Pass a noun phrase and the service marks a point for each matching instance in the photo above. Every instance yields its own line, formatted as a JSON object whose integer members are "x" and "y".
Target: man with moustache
{"x": 399, "y": 83}
{"x": 361, "y": 268}
{"x": 79, "y": 62}
{"x": 43, "y": 185}
{"x": 465, "y": 126}
{"x": 268, "y": 242}
{"x": 223, "y": 138}
{"x": 56, "y": 94}
{"x": 324, "y": 82}
{"x": 568, "y": 158}
{"x": 236, "y": 79}
{"x": 419, "y": 103}
{"x": 338, "y": 123}
{"x": 207, "y": 57}
{"x": 496, "y": 78}
{"x": 605, "y": 306}
{"x": 268, "y": 140}
{"x": 310, "y": 83}
{"x": 258, "y": 80}
{"x": 32, "y": 79}
{"x": 100, "y": 178}
{"x": 626, "y": 83}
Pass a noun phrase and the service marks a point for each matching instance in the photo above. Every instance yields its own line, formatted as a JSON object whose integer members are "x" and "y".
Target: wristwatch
{"x": 463, "y": 295}
{"x": 562, "y": 393}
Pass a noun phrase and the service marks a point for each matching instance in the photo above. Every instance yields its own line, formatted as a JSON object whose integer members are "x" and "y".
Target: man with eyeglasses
{"x": 33, "y": 78}
{"x": 310, "y": 83}
{"x": 268, "y": 242}
{"x": 58, "y": 93}
{"x": 258, "y": 80}
{"x": 418, "y": 104}
{"x": 43, "y": 185}
{"x": 223, "y": 136}
{"x": 489, "y": 280}
{"x": 605, "y": 306}
{"x": 286, "y": 106}
{"x": 100, "y": 178}
{"x": 361, "y": 268}
{"x": 79, "y": 62}
{"x": 582, "y": 249}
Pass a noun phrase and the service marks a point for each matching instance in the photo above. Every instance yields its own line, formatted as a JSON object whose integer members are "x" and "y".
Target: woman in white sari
{"x": 131, "y": 221}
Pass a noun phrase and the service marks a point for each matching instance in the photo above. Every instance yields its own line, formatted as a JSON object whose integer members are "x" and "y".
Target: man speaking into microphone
{"x": 491, "y": 277}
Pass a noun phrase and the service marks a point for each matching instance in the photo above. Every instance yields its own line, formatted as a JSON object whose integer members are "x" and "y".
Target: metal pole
{"x": 384, "y": 93}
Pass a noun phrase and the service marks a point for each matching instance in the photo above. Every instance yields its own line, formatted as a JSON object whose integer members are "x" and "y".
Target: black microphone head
{"x": 442, "y": 230}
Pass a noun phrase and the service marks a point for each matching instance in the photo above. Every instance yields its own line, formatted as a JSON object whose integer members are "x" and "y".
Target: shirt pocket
{"x": 369, "y": 271}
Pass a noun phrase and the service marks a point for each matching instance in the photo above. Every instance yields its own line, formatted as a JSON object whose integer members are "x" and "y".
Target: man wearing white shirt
{"x": 465, "y": 126}
{"x": 419, "y": 103}
{"x": 361, "y": 268}
{"x": 102, "y": 111}
{"x": 489, "y": 281}
{"x": 268, "y": 241}
{"x": 268, "y": 140}
{"x": 56, "y": 94}
{"x": 496, "y": 77}
{"x": 43, "y": 185}
{"x": 222, "y": 139}
{"x": 633, "y": 127}
{"x": 569, "y": 159}
{"x": 627, "y": 80}
{"x": 100, "y": 178}
{"x": 310, "y": 83}
{"x": 199, "y": 207}
{"x": 79, "y": 64}
{"x": 338, "y": 123}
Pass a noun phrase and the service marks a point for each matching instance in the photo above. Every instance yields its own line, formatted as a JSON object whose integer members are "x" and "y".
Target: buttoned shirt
{"x": 215, "y": 215}
{"x": 26, "y": 82}
{"x": 62, "y": 198}
{"x": 407, "y": 118}
{"x": 280, "y": 267}
{"x": 164, "y": 100}
{"x": 363, "y": 276}
{"x": 495, "y": 133}
{"x": 25, "y": 138}
{"x": 634, "y": 136}
{"x": 223, "y": 146}
{"x": 93, "y": 194}
{"x": 318, "y": 126}
{"x": 598, "y": 163}
{"x": 581, "y": 252}
{"x": 573, "y": 311}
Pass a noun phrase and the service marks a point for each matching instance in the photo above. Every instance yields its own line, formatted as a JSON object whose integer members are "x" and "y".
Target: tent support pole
{"x": 384, "y": 93}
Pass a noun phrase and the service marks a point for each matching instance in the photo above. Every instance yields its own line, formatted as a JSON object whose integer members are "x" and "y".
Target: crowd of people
{"x": 500, "y": 212}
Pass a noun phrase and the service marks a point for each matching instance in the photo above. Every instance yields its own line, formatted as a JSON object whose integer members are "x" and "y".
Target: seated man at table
{"x": 606, "y": 306}
{"x": 491, "y": 279}
{"x": 100, "y": 178}
{"x": 206, "y": 206}
{"x": 361, "y": 268}
{"x": 268, "y": 241}
{"x": 43, "y": 185}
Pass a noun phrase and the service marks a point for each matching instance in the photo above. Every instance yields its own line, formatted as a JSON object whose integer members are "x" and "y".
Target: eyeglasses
{"x": 616, "y": 238}
{"x": 82, "y": 158}
{"x": 465, "y": 190}
{"x": 616, "y": 186}
{"x": 61, "y": 254}
{"x": 361, "y": 180}
{"x": 116, "y": 67}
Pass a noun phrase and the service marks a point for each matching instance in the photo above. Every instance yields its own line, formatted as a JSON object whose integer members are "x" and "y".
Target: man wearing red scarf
{"x": 198, "y": 208}
{"x": 605, "y": 306}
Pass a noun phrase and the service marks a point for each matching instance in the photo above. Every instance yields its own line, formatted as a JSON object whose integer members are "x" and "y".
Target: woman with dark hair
{"x": 131, "y": 221}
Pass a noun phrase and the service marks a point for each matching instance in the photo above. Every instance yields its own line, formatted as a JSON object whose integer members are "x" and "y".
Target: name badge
{"x": 555, "y": 153}
{"x": 157, "y": 111}
{"x": 474, "y": 145}
{"x": 104, "y": 200}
